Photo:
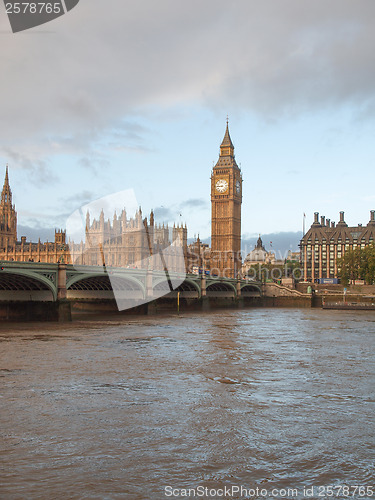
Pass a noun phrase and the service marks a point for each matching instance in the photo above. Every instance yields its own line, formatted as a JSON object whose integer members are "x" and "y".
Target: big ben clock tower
{"x": 226, "y": 199}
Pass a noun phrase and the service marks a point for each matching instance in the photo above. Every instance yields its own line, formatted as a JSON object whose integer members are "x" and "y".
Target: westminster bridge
{"x": 56, "y": 283}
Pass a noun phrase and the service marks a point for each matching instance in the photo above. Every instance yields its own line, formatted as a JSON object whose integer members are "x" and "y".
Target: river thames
{"x": 149, "y": 407}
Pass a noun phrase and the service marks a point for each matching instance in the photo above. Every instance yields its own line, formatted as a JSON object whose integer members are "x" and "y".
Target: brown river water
{"x": 162, "y": 407}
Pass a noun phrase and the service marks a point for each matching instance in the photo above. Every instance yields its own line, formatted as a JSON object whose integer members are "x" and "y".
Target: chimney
{"x": 316, "y": 218}
{"x": 342, "y": 220}
{"x": 333, "y": 224}
{"x": 372, "y": 216}
{"x": 328, "y": 223}
{"x": 322, "y": 220}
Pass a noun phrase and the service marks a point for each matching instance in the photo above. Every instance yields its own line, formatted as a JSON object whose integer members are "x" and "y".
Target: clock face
{"x": 221, "y": 185}
{"x": 238, "y": 187}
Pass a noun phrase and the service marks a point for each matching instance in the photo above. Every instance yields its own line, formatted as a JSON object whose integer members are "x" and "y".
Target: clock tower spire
{"x": 226, "y": 199}
{"x": 226, "y": 147}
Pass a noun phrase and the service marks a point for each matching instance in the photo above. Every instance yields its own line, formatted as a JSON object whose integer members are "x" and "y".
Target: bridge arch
{"x": 17, "y": 284}
{"x": 190, "y": 285}
{"x": 250, "y": 290}
{"x": 221, "y": 289}
{"x": 188, "y": 288}
{"x": 104, "y": 286}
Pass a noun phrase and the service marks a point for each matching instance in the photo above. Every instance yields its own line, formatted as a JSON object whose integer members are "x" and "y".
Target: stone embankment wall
{"x": 358, "y": 289}
{"x": 275, "y": 290}
{"x": 335, "y": 293}
{"x": 275, "y": 295}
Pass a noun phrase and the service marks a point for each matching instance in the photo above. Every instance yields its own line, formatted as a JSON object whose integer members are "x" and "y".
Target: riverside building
{"x": 326, "y": 242}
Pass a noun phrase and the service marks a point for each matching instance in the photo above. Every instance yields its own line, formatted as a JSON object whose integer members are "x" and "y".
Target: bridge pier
{"x": 64, "y": 311}
{"x": 63, "y": 306}
{"x": 61, "y": 282}
{"x": 238, "y": 288}
{"x": 149, "y": 284}
{"x": 240, "y": 303}
{"x": 152, "y": 308}
{"x": 203, "y": 286}
{"x": 205, "y": 303}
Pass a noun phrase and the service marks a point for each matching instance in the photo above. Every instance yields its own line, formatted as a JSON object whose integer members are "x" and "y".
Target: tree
{"x": 293, "y": 268}
{"x": 368, "y": 268}
{"x": 357, "y": 264}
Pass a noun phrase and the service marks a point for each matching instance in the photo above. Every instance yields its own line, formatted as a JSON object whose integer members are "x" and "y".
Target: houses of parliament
{"x": 129, "y": 242}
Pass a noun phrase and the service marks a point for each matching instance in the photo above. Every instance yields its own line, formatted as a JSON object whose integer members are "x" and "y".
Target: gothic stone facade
{"x": 130, "y": 242}
{"x": 126, "y": 242}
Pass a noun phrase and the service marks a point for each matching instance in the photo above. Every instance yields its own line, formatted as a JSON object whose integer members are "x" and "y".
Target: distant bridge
{"x": 31, "y": 281}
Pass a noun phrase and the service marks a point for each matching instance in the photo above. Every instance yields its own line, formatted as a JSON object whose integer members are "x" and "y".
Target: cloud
{"x": 176, "y": 213}
{"x": 93, "y": 164}
{"x": 78, "y": 199}
{"x": 194, "y": 203}
{"x": 83, "y": 86}
{"x": 38, "y": 169}
{"x": 33, "y": 233}
{"x": 164, "y": 214}
{"x": 101, "y": 66}
{"x": 129, "y": 135}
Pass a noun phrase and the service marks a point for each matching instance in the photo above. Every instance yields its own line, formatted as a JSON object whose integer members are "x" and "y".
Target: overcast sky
{"x": 122, "y": 95}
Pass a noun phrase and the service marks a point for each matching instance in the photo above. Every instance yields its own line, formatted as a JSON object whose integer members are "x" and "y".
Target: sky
{"x": 119, "y": 95}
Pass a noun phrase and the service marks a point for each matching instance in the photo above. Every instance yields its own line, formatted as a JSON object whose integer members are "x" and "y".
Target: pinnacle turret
{"x": 6, "y": 194}
{"x": 8, "y": 215}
